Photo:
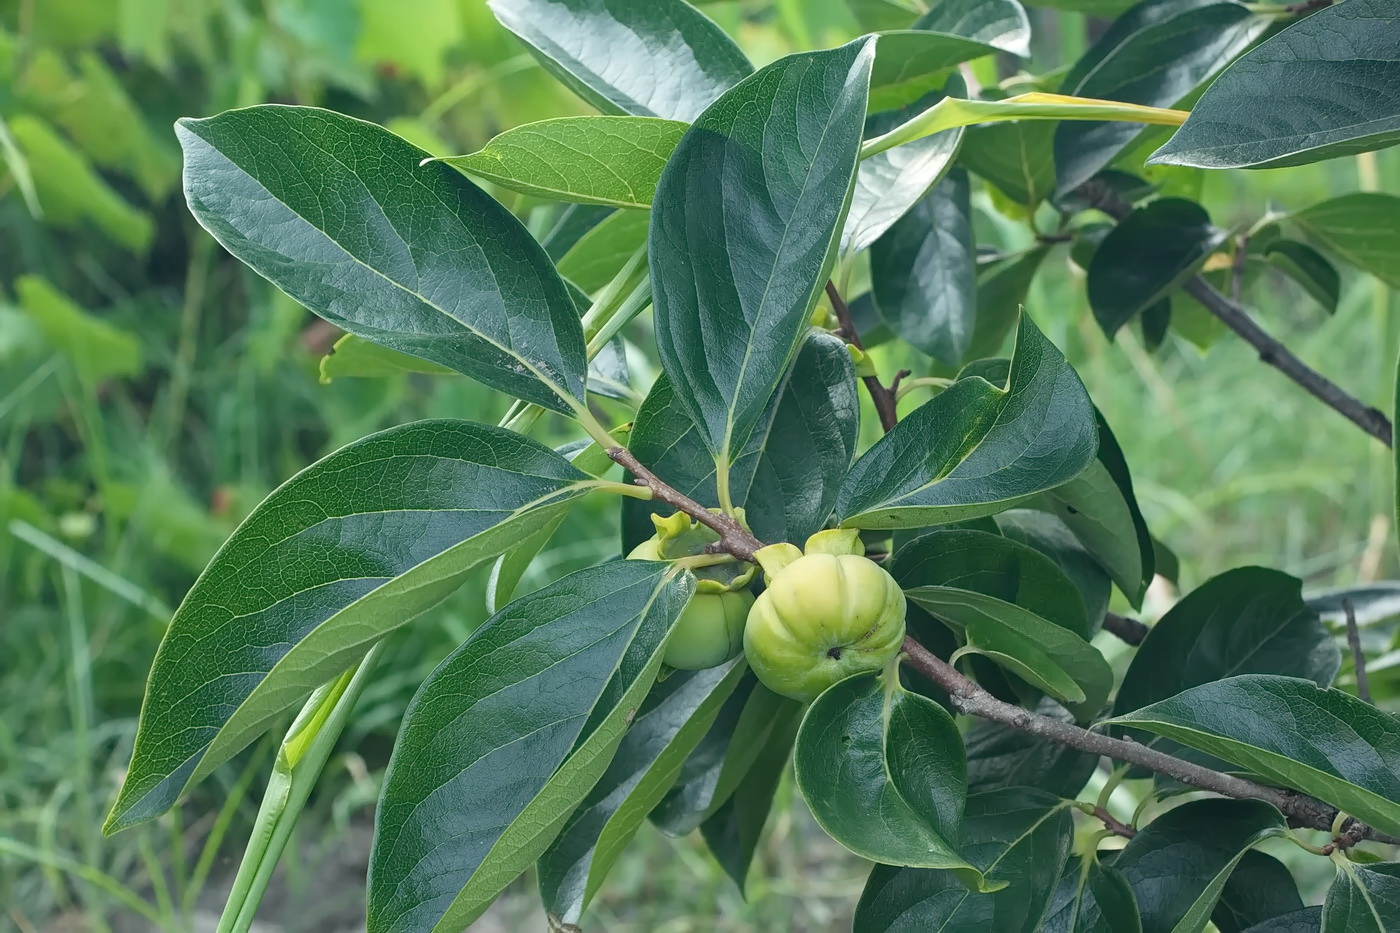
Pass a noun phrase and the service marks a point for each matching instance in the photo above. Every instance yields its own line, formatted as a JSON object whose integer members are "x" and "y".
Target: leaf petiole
{"x": 951, "y": 112}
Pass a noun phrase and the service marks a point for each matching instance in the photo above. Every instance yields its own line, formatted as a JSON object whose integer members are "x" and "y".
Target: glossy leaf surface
{"x": 1092, "y": 899}
{"x": 1016, "y": 157}
{"x": 1307, "y": 920}
{"x": 1001, "y": 24}
{"x": 648, "y": 58}
{"x": 890, "y": 183}
{"x": 509, "y": 734}
{"x": 1018, "y": 835}
{"x": 341, "y": 554}
{"x": 670, "y": 723}
{"x": 743, "y": 232}
{"x": 885, "y": 775}
{"x": 1146, "y": 256}
{"x": 1260, "y": 888}
{"x": 999, "y": 756}
{"x": 1155, "y": 54}
{"x": 1177, "y": 864}
{"x": 790, "y": 470}
{"x": 1053, "y": 538}
{"x": 414, "y": 257}
{"x": 1325, "y": 743}
{"x": 615, "y": 161}
{"x": 1245, "y": 621}
{"x": 975, "y": 449}
{"x": 1363, "y": 899}
{"x": 1360, "y": 228}
{"x": 923, "y": 274}
{"x": 1327, "y": 86}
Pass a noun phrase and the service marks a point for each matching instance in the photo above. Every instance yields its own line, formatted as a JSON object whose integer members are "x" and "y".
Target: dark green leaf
{"x": 1053, "y": 538}
{"x": 1307, "y": 920}
{"x": 1360, "y": 228}
{"x": 1155, "y": 54}
{"x": 1245, "y": 621}
{"x": 601, "y": 253}
{"x": 338, "y": 556}
{"x": 615, "y": 161}
{"x": 670, "y": 723}
{"x": 1016, "y": 157}
{"x": 1147, "y": 256}
{"x": 1327, "y": 86}
{"x": 732, "y": 832}
{"x": 1092, "y": 899}
{"x": 1309, "y": 268}
{"x": 790, "y": 469}
{"x": 1155, "y": 320}
{"x": 884, "y": 774}
{"x": 875, "y": 15}
{"x": 994, "y": 566}
{"x": 1100, "y": 508}
{"x": 1260, "y": 888}
{"x": 1046, "y": 655}
{"x": 1175, "y": 865}
{"x": 727, "y": 330}
{"x": 1363, "y": 899}
{"x": 1002, "y": 285}
{"x": 752, "y": 718}
{"x": 1325, "y": 743}
{"x": 473, "y": 291}
{"x": 569, "y": 224}
{"x": 975, "y": 449}
{"x": 912, "y": 63}
{"x": 1001, "y": 24}
{"x": 648, "y": 58}
{"x": 922, "y": 273}
{"x": 509, "y": 734}
{"x": 1017, "y": 835}
{"x": 999, "y": 756}
{"x": 889, "y": 183}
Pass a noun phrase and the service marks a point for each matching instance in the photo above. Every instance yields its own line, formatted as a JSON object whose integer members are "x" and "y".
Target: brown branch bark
{"x": 881, "y": 395}
{"x": 970, "y": 699}
{"x": 1113, "y": 824}
{"x": 1121, "y": 627}
{"x": 1271, "y": 351}
{"x": 734, "y": 538}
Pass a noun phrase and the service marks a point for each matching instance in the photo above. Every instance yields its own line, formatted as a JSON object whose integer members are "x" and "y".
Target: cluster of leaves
{"x": 726, "y": 198}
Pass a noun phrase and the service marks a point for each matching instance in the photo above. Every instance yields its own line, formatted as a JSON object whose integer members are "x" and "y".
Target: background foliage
{"x": 152, "y": 391}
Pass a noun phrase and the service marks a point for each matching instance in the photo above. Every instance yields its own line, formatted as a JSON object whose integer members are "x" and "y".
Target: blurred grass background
{"x": 152, "y": 391}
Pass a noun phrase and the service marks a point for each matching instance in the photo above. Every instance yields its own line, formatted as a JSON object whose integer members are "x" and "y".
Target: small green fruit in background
{"x": 827, "y": 614}
{"x": 710, "y": 630}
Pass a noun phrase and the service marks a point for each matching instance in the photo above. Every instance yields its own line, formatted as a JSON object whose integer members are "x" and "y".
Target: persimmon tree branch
{"x": 971, "y": 700}
{"x": 1270, "y": 350}
{"x": 734, "y": 538}
{"x": 883, "y": 396}
{"x": 1125, "y": 629}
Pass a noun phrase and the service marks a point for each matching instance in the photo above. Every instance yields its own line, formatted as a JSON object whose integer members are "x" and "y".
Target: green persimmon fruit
{"x": 710, "y": 630}
{"x": 823, "y": 618}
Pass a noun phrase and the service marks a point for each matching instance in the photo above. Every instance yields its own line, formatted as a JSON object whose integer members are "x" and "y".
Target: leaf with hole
{"x": 1325, "y": 743}
{"x": 509, "y": 734}
{"x": 340, "y": 555}
{"x": 1338, "y": 70}
{"x": 614, "y": 161}
{"x": 419, "y": 259}
{"x": 975, "y": 449}
{"x": 744, "y": 230}
{"x": 647, "y": 58}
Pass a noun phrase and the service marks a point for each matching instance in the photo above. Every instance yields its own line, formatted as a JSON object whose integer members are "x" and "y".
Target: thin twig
{"x": 734, "y": 538}
{"x": 1358, "y": 660}
{"x": 1271, "y": 351}
{"x": 882, "y": 397}
{"x": 1113, "y": 824}
{"x": 970, "y": 699}
{"x": 1121, "y": 627}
